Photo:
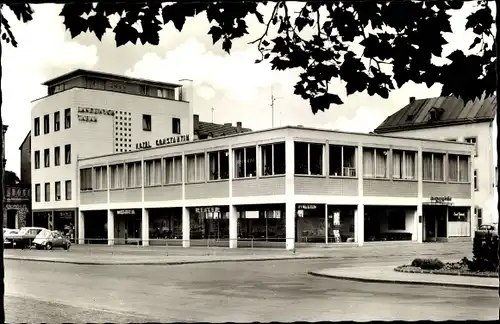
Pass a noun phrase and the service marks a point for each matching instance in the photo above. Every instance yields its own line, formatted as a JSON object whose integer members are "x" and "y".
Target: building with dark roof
{"x": 452, "y": 119}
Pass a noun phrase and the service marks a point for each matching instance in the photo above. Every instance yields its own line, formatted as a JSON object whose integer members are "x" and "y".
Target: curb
{"x": 440, "y": 272}
{"x": 163, "y": 262}
{"x": 403, "y": 282}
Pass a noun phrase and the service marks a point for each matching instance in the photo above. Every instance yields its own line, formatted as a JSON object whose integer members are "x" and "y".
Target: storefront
{"x": 64, "y": 221}
{"x": 310, "y": 223}
{"x": 389, "y": 223}
{"x": 340, "y": 224}
{"x": 459, "y": 224}
{"x": 265, "y": 223}
{"x": 95, "y": 227}
{"x": 42, "y": 218}
{"x": 165, "y": 224}
{"x": 209, "y": 223}
{"x": 128, "y": 224}
{"x": 435, "y": 218}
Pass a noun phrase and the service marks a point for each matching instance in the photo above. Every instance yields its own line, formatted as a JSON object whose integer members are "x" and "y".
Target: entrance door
{"x": 11, "y": 218}
{"x": 442, "y": 225}
{"x": 133, "y": 228}
{"x": 429, "y": 227}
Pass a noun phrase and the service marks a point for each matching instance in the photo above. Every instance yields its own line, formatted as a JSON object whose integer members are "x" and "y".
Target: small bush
{"x": 485, "y": 254}
{"x": 428, "y": 264}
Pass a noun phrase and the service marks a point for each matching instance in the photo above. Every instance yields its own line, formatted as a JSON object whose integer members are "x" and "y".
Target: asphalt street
{"x": 217, "y": 292}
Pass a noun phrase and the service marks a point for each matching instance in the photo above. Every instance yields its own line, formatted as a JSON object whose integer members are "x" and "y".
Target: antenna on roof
{"x": 273, "y": 99}
{"x": 213, "y": 114}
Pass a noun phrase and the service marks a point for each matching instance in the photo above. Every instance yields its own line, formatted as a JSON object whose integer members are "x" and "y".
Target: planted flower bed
{"x": 435, "y": 266}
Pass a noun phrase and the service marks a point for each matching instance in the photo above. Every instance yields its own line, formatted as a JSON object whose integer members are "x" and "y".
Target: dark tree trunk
{"x": 497, "y": 19}
{"x": 2, "y": 166}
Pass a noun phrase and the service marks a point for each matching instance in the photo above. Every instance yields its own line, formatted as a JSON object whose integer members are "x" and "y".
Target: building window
{"x": 58, "y": 190}
{"x": 308, "y": 158}
{"x": 375, "y": 163}
{"x": 195, "y": 167}
{"x": 396, "y": 220}
{"x": 47, "y": 191}
{"x": 57, "y": 156}
{"x": 476, "y": 181}
{"x": 67, "y": 118}
{"x": 404, "y": 165}
{"x": 37, "y": 126}
{"x": 472, "y": 140}
{"x": 342, "y": 161}
{"x": 68, "y": 189}
{"x": 173, "y": 170}
{"x": 433, "y": 166}
{"x": 67, "y": 154}
{"x": 37, "y": 159}
{"x": 176, "y": 126}
{"x": 37, "y": 192}
{"x": 86, "y": 179}
{"x": 101, "y": 178}
{"x": 479, "y": 213}
{"x": 146, "y": 123}
{"x": 144, "y": 90}
{"x": 495, "y": 181}
{"x": 57, "y": 121}
{"x": 458, "y": 168}
{"x": 273, "y": 159}
{"x": 46, "y": 124}
{"x": 166, "y": 93}
{"x": 218, "y": 165}
{"x": 117, "y": 176}
{"x": 134, "y": 176}
{"x": 46, "y": 158}
{"x": 152, "y": 173}
{"x": 245, "y": 162}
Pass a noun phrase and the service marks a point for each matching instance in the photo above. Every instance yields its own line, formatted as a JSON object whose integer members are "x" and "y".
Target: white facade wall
{"x": 485, "y": 162}
{"x": 95, "y": 138}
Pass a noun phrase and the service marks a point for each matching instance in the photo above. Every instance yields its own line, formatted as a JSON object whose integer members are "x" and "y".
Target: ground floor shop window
{"x": 388, "y": 223}
{"x": 165, "y": 225}
{"x": 64, "y": 222}
{"x": 41, "y": 219}
{"x": 262, "y": 225}
{"x": 458, "y": 221}
{"x": 209, "y": 223}
{"x": 340, "y": 224}
{"x": 310, "y": 223}
{"x": 96, "y": 229}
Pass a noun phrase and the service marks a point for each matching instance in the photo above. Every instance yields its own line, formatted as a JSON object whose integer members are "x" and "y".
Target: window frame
{"x": 38, "y": 192}
{"x": 57, "y": 121}
{"x": 46, "y": 192}
{"x": 466, "y": 139}
{"x": 433, "y": 177}
{"x": 218, "y": 153}
{"x": 46, "y": 158}
{"x": 272, "y": 170}
{"x": 137, "y": 183}
{"x": 403, "y": 174}
{"x": 103, "y": 180}
{"x": 46, "y": 124}
{"x": 322, "y": 174}
{"x": 458, "y": 156}
{"x": 176, "y": 125}
{"x": 165, "y": 174}
{"x": 244, "y": 162}
{"x": 67, "y": 153}
{"x": 150, "y": 181}
{"x": 67, "y": 118}
{"x": 36, "y": 126}
{"x": 67, "y": 188}
{"x": 196, "y": 155}
{"x": 476, "y": 179}
{"x": 36, "y": 157}
{"x": 147, "y": 122}
{"x": 342, "y": 175}
{"x": 373, "y": 153}
{"x": 119, "y": 169}
{"x": 57, "y": 197}
{"x": 84, "y": 187}
{"x": 57, "y": 156}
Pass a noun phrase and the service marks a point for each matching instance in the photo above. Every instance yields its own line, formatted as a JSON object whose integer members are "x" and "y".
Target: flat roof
{"x": 105, "y": 75}
{"x": 276, "y": 129}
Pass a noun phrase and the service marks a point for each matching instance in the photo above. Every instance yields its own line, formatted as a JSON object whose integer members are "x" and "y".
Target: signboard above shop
{"x": 163, "y": 142}
{"x": 309, "y": 207}
{"x": 441, "y": 200}
{"x": 125, "y": 212}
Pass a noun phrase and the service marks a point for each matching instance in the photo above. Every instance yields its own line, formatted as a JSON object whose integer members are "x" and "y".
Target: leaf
{"x": 179, "y": 22}
{"x": 300, "y": 23}
{"x": 476, "y": 41}
{"x": 216, "y": 33}
{"x": 260, "y": 17}
{"x": 125, "y": 33}
{"x": 98, "y": 24}
{"x": 265, "y": 43}
{"x": 150, "y": 33}
{"x": 266, "y": 56}
{"x": 226, "y": 45}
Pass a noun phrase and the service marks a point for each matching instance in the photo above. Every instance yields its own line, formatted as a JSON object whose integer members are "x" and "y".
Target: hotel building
{"x": 286, "y": 186}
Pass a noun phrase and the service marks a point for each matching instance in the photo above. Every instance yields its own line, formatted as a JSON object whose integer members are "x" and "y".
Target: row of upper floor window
{"x": 56, "y": 122}
{"x": 471, "y": 140}
{"x": 57, "y": 191}
{"x": 147, "y": 124}
{"x": 57, "y": 156}
{"x": 310, "y": 159}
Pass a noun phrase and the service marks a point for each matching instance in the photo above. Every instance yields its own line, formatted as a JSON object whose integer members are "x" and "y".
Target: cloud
{"x": 42, "y": 53}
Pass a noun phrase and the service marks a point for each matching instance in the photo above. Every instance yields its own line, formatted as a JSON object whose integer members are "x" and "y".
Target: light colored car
{"x": 7, "y": 235}
{"x": 487, "y": 229}
{"x": 24, "y": 238}
{"x": 51, "y": 239}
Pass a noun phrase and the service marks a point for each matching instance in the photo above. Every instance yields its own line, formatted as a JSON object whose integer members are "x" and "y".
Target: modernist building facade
{"x": 290, "y": 185}
{"x": 88, "y": 113}
{"x": 449, "y": 118}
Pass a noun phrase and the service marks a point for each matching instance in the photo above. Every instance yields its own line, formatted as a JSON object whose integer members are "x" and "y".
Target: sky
{"x": 233, "y": 85}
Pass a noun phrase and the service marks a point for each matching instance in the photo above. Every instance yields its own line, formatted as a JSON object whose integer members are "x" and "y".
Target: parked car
{"x": 7, "y": 235}
{"x": 51, "y": 239}
{"x": 25, "y": 236}
{"x": 484, "y": 229}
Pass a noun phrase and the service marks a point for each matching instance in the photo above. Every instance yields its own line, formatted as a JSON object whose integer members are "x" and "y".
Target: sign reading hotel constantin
{"x": 93, "y": 111}
{"x": 163, "y": 141}
{"x": 440, "y": 200}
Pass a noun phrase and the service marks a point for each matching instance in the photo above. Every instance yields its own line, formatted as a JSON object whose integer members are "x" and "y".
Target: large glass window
{"x": 117, "y": 176}
{"x": 263, "y": 225}
{"x": 152, "y": 174}
{"x": 273, "y": 159}
{"x": 209, "y": 223}
{"x": 403, "y": 164}
{"x": 245, "y": 162}
{"x": 173, "y": 170}
{"x": 101, "y": 178}
{"x": 134, "y": 176}
{"x": 375, "y": 163}
{"x": 433, "y": 166}
{"x": 218, "y": 165}
{"x": 458, "y": 168}
{"x": 342, "y": 161}
{"x": 310, "y": 223}
{"x": 308, "y": 158}
{"x": 86, "y": 179}
{"x": 195, "y": 167}
{"x": 340, "y": 224}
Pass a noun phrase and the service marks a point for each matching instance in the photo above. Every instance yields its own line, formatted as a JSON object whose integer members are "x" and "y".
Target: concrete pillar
{"x": 359, "y": 227}
{"x": 290, "y": 193}
{"x": 185, "y": 227}
{"x": 419, "y": 224}
{"x": 111, "y": 227}
{"x": 233, "y": 227}
{"x": 145, "y": 227}
{"x": 290, "y": 225}
{"x": 473, "y": 222}
{"x": 326, "y": 223}
{"x": 81, "y": 227}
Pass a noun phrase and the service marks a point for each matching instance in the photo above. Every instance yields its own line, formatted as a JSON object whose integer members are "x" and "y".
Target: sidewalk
{"x": 386, "y": 274}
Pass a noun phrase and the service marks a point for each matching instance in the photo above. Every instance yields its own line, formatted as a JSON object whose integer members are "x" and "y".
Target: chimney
{"x": 238, "y": 127}
{"x": 196, "y": 122}
{"x": 412, "y": 99}
{"x": 228, "y": 124}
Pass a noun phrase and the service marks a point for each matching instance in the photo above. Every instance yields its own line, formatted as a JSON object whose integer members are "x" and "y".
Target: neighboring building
{"x": 448, "y": 118}
{"x": 25, "y": 150}
{"x": 89, "y": 113}
{"x": 284, "y": 186}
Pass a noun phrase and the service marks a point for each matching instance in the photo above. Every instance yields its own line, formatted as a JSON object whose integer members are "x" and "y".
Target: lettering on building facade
{"x": 163, "y": 141}
{"x": 125, "y": 212}
{"x": 88, "y": 119}
{"x": 93, "y": 111}
{"x": 306, "y": 206}
{"x": 443, "y": 200}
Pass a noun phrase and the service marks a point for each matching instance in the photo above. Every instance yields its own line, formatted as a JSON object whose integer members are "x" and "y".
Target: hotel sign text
{"x": 163, "y": 141}
{"x": 94, "y": 111}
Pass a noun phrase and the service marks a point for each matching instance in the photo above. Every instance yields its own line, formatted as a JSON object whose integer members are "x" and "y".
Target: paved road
{"x": 217, "y": 292}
